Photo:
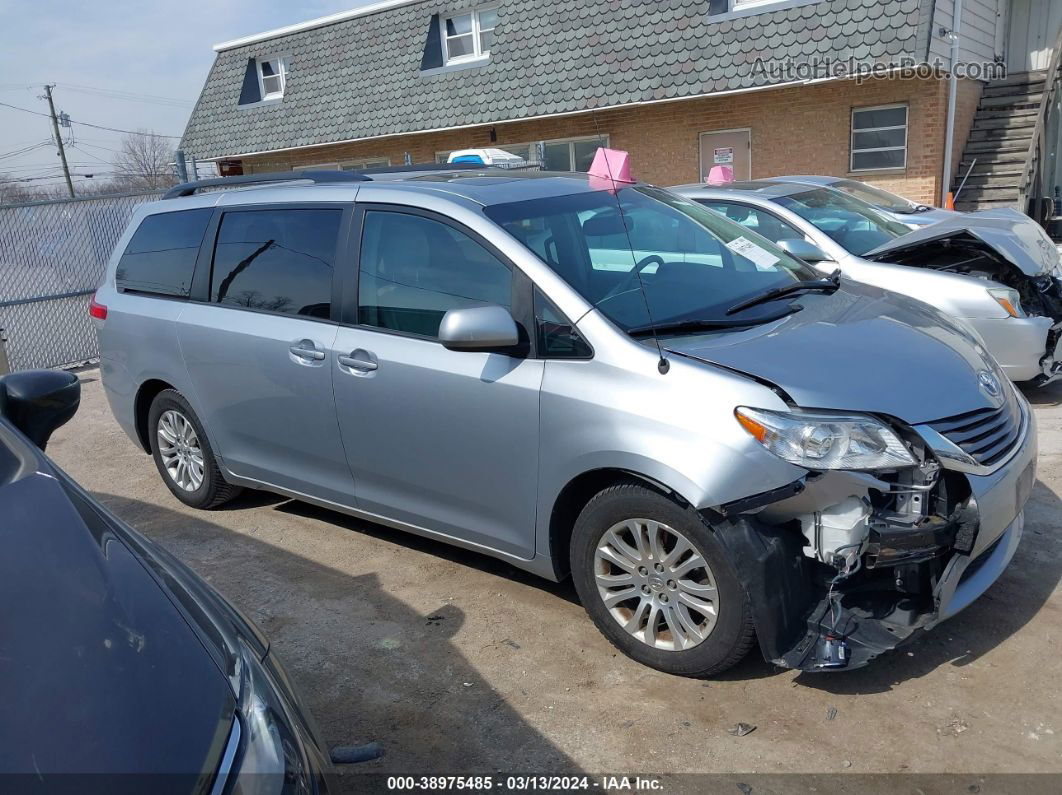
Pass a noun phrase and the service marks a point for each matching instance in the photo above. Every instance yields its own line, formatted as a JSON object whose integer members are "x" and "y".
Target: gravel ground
{"x": 457, "y": 663}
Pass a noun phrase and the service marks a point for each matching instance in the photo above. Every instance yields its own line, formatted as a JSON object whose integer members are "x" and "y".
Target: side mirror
{"x": 802, "y": 249}
{"x": 39, "y": 401}
{"x": 479, "y": 328}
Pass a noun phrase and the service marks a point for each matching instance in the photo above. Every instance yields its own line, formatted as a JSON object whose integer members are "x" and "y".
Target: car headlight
{"x": 826, "y": 441}
{"x": 1008, "y": 299}
{"x": 272, "y": 760}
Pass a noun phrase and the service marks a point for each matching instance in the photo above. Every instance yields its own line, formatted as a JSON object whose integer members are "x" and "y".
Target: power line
{"x": 96, "y": 126}
{"x": 128, "y": 96}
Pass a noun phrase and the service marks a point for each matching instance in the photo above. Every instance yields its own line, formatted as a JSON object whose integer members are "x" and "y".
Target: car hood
{"x": 1015, "y": 237}
{"x": 100, "y": 669}
{"x": 859, "y": 349}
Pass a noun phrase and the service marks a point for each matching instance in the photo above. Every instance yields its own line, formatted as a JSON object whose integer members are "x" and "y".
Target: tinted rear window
{"x": 161, "y": 256}
{"x": 276, "y": 260}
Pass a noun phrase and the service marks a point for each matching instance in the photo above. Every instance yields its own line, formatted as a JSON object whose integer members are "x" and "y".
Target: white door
{"x": 1032, "y": 30}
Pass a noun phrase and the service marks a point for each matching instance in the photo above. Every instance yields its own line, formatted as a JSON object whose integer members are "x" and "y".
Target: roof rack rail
{"x": 189, "y": 188}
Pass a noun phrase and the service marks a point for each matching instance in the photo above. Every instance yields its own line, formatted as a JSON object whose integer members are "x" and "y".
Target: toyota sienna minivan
{"x": 720, "y": 445}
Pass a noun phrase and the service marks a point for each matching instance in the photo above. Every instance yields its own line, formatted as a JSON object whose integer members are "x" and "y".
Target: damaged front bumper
{"x": 908, "y": 578}
{"x": 1027, "y": 348}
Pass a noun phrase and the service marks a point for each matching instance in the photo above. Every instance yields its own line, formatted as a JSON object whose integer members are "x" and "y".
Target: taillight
{"x": 96, "y": 309}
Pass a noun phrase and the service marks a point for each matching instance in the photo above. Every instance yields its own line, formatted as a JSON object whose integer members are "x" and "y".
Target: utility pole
{"x": 59, "y": 139}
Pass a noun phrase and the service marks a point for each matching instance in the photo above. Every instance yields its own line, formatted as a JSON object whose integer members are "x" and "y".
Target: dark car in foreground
{"x": 120, "y": 669}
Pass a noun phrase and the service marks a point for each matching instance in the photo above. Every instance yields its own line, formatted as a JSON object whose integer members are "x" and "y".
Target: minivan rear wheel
{"x": 659, "y": 584}
{"x": 182, "y": 453}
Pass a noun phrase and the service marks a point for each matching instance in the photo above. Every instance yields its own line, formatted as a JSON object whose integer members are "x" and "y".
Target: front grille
{"x": 986, "y": 435}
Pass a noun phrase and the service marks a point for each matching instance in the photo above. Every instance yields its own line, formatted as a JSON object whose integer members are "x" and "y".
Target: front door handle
{"x": 305, "y": 349}
{"x": 361, "y": 365}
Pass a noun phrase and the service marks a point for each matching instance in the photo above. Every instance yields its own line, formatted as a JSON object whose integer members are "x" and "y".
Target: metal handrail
{"x": 1034, "y": 155}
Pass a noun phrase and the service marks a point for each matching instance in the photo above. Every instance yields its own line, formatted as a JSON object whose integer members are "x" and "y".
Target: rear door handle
{"x": 305, "y": 349}
{"x": 361, "y": 365}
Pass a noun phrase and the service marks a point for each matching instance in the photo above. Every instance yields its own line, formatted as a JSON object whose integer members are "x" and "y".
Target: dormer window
{"x": 272, "y": 77}
{"x": 468, "y": 37}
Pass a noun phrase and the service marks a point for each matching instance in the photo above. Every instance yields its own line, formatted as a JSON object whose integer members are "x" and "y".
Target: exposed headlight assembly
{"x": 826, "y": 441}
{"x": 1008, "y": 299}
{"x": 272, "y": 760}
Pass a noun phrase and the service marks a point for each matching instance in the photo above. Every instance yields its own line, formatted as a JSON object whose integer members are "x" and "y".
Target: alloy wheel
{"x": 656, "y": 585}
{"x": 180, "y": 451}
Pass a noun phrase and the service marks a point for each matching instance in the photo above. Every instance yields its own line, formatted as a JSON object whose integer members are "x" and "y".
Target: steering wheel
{"x": 634, "y": 274}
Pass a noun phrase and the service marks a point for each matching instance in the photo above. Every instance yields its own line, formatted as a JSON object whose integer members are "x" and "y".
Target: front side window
{"x": 276, "y": 260}
{"x": 469, "y": 36}
{"x": 415, "y": 269}
{"x": 161, "y": 255}
{"x": 854, "y": 225}
{"x": 646, "y": 253}
{"x": 272, "y": 77}
{"x": 759, "y": 221}
{"x": 879, "y": 138}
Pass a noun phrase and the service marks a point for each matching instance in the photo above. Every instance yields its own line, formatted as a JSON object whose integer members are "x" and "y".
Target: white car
{"x": 997, "y": 271}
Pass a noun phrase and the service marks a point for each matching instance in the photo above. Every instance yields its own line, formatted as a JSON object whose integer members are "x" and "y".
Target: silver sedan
{"x": 997, "y": 272}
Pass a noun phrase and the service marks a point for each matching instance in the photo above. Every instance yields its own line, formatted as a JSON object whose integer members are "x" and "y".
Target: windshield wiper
{"x": 702, "y": 324}
{"x": 829, "y": 284}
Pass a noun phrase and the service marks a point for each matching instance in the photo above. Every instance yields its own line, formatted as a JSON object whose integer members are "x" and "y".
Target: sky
{"x": 158, "y": 52}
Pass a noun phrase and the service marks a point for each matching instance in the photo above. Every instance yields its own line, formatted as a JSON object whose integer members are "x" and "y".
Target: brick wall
{"x": 793, "y": 130}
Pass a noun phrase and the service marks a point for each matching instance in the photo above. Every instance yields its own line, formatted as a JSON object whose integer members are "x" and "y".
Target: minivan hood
{"x": 860, "y": 349}
{"x": 1015, "y": 237}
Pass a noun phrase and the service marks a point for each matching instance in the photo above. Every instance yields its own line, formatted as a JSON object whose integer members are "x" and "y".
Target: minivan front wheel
{"x": 659, "y": 584}
{"x": 183, "y": 455}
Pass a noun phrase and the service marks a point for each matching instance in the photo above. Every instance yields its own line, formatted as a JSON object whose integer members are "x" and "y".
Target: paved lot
{"x": 458, "y": 664}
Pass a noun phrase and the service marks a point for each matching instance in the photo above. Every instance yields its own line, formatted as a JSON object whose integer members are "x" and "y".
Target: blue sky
{"x": 159, "y": 49}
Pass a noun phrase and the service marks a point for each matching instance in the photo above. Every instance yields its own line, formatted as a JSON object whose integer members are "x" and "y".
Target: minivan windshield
{"x": 694, "y": 264}
{"x": 854, "y": 225}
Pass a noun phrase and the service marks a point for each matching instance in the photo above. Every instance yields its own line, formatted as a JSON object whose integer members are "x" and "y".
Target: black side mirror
{"x": 39, "y": 401}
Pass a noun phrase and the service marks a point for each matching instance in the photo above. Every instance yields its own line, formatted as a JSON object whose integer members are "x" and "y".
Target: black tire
{"x": 214, "y": 490}
{"x": 733, "y": 634}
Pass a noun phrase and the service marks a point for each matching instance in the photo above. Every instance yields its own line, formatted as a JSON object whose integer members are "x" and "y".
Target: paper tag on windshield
{"x": 763, "y": 260}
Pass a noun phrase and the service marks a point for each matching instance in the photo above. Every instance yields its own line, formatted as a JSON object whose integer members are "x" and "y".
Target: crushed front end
{"x": 844, "y": 565}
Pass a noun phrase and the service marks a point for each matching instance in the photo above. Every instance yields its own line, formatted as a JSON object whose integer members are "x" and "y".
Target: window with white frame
{"x": 879, "y": 138}
{"x": 566, "y": 154}
{"x": 468, "y": 36}
{"x": 272, "y": 77}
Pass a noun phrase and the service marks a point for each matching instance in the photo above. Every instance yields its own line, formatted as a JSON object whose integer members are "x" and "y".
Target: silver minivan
{"x": 719, "y": 444}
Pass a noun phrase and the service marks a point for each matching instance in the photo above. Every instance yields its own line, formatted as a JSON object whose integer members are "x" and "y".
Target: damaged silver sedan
{"x": 997, "y": 271}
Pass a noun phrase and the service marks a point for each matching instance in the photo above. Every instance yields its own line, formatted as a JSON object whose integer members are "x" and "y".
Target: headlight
{"x": 272, "y": 760}
{"x": 1008, "y": 299}
{"x": 826, "y": 441}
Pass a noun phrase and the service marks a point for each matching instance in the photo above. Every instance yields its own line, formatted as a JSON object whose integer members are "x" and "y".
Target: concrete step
{"x": 1007, "y": 121}
{"x": 979, "y": 194}
{"x": 996, "y": 146}
{"x": 1011, "y": 173}
{"x": 1020, "y": 101}
{"x": 1014, "y": 159}
{"x": 1017, "y": 78}
{"x": 964, "y": 206}
{"x": 1009, "y": 113}
{"x": 1013, "y": 90}
{"x": 987, "y": 181}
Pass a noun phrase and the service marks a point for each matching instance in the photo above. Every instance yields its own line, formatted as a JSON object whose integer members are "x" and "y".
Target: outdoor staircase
{"x": 999, "y": 143}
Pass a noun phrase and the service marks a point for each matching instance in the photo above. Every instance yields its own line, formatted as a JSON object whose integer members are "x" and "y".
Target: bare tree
{"x": 145, "y": 162}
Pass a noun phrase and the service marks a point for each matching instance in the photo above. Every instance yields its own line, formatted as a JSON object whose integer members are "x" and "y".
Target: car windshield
{"x": 693, "y": 263}
{"x": 854, "y": 225}
{"x": 877, "y": 196}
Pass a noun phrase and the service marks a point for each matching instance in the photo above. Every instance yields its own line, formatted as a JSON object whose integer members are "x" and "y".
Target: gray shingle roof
{"x": 360, "y": 77}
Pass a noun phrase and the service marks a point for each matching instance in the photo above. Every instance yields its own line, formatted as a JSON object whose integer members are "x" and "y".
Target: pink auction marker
{"x": 611, "y": 170}
{"x": 720, "y": 175}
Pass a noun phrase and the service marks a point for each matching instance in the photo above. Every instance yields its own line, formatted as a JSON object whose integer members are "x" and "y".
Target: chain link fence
{"x": 52, "y": 257}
